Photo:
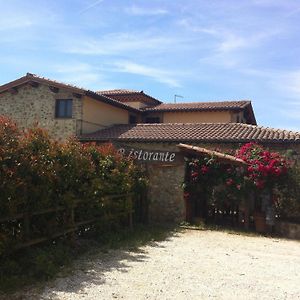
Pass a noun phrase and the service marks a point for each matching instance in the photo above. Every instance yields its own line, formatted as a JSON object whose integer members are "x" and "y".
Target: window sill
{"x": 63, "y": 118}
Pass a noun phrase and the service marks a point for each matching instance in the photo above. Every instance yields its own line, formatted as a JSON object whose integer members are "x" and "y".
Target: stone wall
{"x": 165, "y": 194}
{"x": 31, "y": 105}
{"x": 289, "y": 230}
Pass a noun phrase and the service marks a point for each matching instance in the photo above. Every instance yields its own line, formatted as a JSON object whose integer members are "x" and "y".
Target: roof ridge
{"x": 210, "y": 101}
{"x": 212, "y": 105}
{"x": 127, "y": 92}
{"x": 116, "y": 91}
{"x": 31, "y": 76}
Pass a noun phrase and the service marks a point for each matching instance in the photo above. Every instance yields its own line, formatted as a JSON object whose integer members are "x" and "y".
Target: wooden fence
{"x": 20, "y": 224}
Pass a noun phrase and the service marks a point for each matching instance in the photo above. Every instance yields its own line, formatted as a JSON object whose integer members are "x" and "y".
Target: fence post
{"x": 26, "y": 226}
{"x": 129, "y": 199}
{"x": 72, "y": 224}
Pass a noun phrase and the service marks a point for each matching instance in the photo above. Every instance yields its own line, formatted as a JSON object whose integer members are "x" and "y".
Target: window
{"x": 63, "y": 108}
{"x": 152, "y": 120}
{"x": 132, "y": 119}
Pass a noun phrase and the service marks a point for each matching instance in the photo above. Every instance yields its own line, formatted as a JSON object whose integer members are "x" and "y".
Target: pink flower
{"x": 260, "y": 184}
{"x": 229, "y": 181}
{"x": 204, "y": 169}
{"x": 194, "y": 174}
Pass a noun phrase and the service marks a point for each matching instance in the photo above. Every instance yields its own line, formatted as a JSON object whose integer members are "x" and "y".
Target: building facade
{"x": 143, "y": 127}
{"x": 62, "y": 109}
{"x": 66, "y": 110}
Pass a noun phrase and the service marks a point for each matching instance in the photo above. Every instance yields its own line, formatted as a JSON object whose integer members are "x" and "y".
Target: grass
{"x": 36, "y": 265}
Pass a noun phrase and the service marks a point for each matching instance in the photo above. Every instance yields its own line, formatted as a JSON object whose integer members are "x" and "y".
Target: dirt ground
{"x": 189, "y": 265}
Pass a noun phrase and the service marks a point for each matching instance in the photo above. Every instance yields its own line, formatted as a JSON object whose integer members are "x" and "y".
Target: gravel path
{"x": 189, "y": 265}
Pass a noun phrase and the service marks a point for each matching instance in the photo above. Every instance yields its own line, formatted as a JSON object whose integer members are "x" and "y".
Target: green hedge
{"x": 38, "y": 173}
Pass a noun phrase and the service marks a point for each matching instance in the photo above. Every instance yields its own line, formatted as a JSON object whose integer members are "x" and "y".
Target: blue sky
{"x": 203, "y": 50}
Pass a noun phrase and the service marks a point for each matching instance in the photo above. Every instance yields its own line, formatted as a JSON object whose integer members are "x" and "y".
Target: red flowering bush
{"x": 210, "y": 172}
{"x": 265, "y": 168}
{"x": 38, "y": 173}
{"x": 225, "y": 182}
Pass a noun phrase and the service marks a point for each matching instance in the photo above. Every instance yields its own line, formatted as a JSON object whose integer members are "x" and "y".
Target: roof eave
{"x": 172, "y": 140}
{"x": 31, "y": 78}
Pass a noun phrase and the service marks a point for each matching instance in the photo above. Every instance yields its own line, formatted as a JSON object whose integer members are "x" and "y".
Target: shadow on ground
{"x": 90, "y": 268}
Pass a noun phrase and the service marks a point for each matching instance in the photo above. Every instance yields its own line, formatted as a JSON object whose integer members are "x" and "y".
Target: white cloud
{"x": 154, "y": 73}
{"x": 187, "y": 24}
{"x": 117, "y": 43}
{"x": 9, "y": 22}
{"x": 75, "y": 67}
{"x": 232, "y": 41}
{"x": 82, "y": 75}
{"x": 142, "y": 11}
{"x": 291, "y": 83}
{"x": 92, "y": 5}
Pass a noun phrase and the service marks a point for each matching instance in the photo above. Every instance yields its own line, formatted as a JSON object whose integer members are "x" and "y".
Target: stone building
{"x": 67, "y": 110}
{"x": 167, "y": 176}
{"x": 63, "y": 109}
{"x": 142, "y": 127}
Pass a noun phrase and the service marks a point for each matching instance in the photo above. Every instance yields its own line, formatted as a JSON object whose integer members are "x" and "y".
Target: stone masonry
{"x": 165, "y": 193}
{"x": 36, "y": 105}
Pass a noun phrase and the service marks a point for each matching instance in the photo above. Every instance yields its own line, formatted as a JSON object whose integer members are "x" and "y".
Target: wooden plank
{"x": 45, "y": 211}
{"x": 35, "y": 213}
{"x": 26, "y": 226}
{"x": 12, "y": 218}
{"x": 203, "y": 151}
{"x": 44, "y": 239}
{"x": 59, "y": 208}
{"x": 130, "y": 212}
{"x": 115, "y": 196}
{"x": 74, "y": 226}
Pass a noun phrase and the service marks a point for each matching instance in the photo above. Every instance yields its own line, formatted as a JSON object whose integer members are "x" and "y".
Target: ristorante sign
{"x": 148, "y": 155}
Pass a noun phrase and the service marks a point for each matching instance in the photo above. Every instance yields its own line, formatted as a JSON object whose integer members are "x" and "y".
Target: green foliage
{"x": 38, "y": 174}
{"x": 226, "y": 185}
{"x": 287, "y": 196}
{"x": 34, "y": 264}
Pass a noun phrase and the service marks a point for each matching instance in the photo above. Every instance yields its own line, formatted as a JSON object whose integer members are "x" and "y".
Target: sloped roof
{"x": 124, "y": 95}
{"x": 188, "y": 132}
{"x": 196, "y": 106}
{"x": 35, "y": 78}
{"x": 238, "y": 105}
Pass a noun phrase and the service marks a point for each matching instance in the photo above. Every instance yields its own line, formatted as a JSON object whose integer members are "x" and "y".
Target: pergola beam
{"x": 223, "y": 157}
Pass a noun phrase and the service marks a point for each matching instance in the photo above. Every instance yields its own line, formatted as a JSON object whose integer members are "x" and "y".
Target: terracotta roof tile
{"x": 201, "y": 132}
{"x": 197, "y": 106}
{"x": 123, "y": 95}
{"x": 119, "y": 92}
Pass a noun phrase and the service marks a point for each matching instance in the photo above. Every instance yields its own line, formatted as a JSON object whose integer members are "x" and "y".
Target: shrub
{"x": 226, "y": 185}
{"x": 40, "y": 174}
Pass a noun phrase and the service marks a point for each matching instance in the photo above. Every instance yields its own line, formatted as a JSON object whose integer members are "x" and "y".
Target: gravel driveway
{"x": 189, "y": 265}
